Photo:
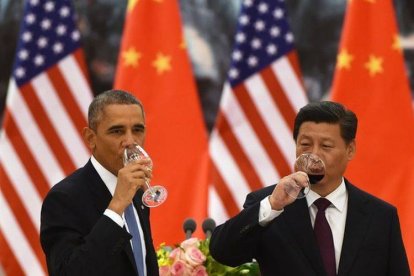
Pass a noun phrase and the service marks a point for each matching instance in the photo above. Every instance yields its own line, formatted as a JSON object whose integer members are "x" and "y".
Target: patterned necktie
{"x": 136, "y": 238}
{"x": 324, "y": 237}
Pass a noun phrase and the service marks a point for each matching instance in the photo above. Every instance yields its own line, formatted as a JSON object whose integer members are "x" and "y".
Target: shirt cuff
{"x": 266, "y": 213}
{"x": 115, "y": 217}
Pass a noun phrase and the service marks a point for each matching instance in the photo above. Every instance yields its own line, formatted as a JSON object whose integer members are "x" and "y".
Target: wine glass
{"x": 313, "y": 166}
{"x": 154, "y": 195}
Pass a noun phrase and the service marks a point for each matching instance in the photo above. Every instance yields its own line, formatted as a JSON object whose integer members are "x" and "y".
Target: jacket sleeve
{"x": 69, "y": 248}
{"x": 398, "y": 264}
{"x": 235, "y": 242}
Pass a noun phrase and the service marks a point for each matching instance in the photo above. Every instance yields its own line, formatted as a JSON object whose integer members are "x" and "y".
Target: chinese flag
{"x": 153, "y": 64}
{"x": 370, "y": 79}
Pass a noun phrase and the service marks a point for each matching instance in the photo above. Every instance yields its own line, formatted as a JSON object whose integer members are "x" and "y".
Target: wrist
{"x": 117, "y": 206}
{"x": 275, "y": 204}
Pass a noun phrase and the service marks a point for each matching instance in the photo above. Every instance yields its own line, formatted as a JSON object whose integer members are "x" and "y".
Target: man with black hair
{"x": 337, "y": 229}
{"x": 84, "y": 221}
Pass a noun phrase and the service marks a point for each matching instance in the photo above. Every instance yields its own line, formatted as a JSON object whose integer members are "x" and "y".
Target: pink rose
{"x": 194, "y": 256}
{"x": 164, "y": 270}
{"x": 199, "y": 271}
{"x": 191, "y": 242}
{"x": 176, "y": 254}
{"x": 180, "y": 268}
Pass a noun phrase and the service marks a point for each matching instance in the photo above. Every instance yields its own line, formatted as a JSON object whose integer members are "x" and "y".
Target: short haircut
{"x": 331, "y": 113}
{"x": 107, "y": 98}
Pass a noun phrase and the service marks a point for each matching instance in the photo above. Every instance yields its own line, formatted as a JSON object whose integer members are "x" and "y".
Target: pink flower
{"x": 164, "y": 270}
{"x": 191, "y": 242}
{"x": 199, "y": 271}
{"x": 180, "y": 268}
{"x": 194, "y": 256}
{"x": 176, "y": 254}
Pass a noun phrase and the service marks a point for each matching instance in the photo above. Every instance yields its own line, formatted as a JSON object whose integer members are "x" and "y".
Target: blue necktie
{"x": 136, "y": 238}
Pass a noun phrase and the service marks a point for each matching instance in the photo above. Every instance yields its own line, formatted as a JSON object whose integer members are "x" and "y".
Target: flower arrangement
{"x": 192, "y": 258}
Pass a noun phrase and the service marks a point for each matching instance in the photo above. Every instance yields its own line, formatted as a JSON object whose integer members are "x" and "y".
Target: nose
{"x": 128, "y": 139}
{"x": 314, "y": 150}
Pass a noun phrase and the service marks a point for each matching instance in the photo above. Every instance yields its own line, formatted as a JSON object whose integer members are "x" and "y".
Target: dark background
{"x": 209, "y": 28}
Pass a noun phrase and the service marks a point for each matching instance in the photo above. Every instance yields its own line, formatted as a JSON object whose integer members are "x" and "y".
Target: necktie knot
{"x": 322, "y": 203}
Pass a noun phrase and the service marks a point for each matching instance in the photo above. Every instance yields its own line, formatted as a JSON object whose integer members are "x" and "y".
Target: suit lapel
{"x": 300, "y": 228}
{"x": 98, "y": 188}
{"x": 102, "y": 199}
{"x": 355, "y": 228}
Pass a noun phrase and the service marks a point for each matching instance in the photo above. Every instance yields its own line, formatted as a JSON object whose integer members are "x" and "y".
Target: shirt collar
{"x": 337, "y": 197}
{"x": 107, "y": 177}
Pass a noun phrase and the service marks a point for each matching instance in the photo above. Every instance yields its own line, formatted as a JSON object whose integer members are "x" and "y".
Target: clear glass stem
{"x": 149, "y": 188}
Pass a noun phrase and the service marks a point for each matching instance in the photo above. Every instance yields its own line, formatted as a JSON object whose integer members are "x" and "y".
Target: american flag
{"x": 40, "y": 141}
{"x": 251, "y": 145}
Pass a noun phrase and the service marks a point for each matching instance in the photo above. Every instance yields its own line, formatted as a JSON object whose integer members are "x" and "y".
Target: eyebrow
{"x": 115, "y": 127}
{"x": 141, "y": 126}
{"x": 304, "y": 136}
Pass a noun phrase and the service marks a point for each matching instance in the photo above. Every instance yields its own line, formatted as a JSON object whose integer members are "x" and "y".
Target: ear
{"x": 351, "y": 150}
{"x": 89, "y": 136}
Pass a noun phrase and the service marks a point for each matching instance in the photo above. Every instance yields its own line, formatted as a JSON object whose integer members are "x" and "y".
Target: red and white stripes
{"x": 40, "y": 144}
{"x": 252, "y": 146}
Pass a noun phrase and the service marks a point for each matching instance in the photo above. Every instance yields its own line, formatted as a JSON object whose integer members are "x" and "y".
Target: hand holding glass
{"x": 313, "y": 166}
{"x": 154, "y": 195}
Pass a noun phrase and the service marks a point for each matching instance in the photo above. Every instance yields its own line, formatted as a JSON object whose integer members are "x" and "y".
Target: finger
{"x": 279, "y": 197}
{"x": 140, "y": 175}
{"x": 134, "y": 168}
{"x": 301, "y": 173}
{"x": 301, "y": 179}
{"x": 140, "y": 162}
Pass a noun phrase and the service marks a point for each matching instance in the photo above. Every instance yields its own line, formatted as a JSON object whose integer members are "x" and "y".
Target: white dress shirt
{"x": 335, "y": 214}
{"x": 110, "y": 181}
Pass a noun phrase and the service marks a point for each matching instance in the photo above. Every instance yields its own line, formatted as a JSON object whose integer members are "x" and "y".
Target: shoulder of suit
{"x": 75, "y": 179}
{"x": 354, "y": 190}
{"x": 261, "y": 193}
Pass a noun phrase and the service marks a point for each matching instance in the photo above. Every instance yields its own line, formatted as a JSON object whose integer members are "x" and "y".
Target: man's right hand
{"x": 279, "y": 198}
{"x": 130, "y": 178}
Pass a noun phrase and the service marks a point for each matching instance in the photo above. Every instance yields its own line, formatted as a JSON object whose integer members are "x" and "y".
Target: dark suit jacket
{"x": 78, "y": 239}
{"x": 372, "y": 242}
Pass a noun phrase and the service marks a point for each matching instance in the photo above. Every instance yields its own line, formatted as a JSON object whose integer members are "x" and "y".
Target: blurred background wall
{"x": 209, "y": 28}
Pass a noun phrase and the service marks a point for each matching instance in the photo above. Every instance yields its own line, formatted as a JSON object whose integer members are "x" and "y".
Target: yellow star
{"x": 344, "y": 60}
{"x": 396, "y": 45}
{"x": 371, "y": 1}
{"x": 158, "y": 1}
{"x": 162, "y": 63}
{"x": 131, "y": 4}
{"x": 374, "y": 65}
{"x": 131, "y": 57}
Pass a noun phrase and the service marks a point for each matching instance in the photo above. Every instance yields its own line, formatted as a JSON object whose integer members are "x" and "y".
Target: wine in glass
{"x": 313, "y": 166}
{"x": 154, "y": 195}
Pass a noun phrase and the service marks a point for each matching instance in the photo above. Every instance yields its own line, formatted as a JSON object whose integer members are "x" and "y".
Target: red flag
{"x": 153, "y": 64}
{"x": 252, "y": 144}
{"x": 370, "y": 79}
{"x": 40, "y": 141}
